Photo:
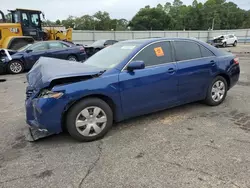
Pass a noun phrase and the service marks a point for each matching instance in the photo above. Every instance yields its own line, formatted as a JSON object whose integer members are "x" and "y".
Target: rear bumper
{"x": 82, "y": 57}
{"x": 234, "y": 74}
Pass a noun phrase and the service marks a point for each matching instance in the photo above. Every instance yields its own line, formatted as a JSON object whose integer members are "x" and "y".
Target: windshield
{"x": 111, "y": 56}
{"x": 99, "y": 42}
{"x": 24, "y": 48}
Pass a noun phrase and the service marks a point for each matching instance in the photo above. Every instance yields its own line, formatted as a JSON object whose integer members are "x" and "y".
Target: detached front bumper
{"x": 217, "y": 43}
{"x": 45, "y": 114}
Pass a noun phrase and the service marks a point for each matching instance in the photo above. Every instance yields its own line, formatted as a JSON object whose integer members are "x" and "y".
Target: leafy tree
{"x": 69, "y": 22}
{"x": 175, "y": 16}
{"x": 150, "y": 19}
{"x": 58, "y": 22}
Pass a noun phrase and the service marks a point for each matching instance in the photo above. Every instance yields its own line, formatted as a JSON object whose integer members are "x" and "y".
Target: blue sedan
{"x": 16, "y": 62}
{"x": 128, "y": 79}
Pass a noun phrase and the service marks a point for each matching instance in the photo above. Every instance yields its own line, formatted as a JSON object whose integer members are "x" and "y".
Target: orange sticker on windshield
{"x": 159, "y": 52}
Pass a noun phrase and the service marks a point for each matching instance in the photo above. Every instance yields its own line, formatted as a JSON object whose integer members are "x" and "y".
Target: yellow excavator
{"x": 26, "y": 27}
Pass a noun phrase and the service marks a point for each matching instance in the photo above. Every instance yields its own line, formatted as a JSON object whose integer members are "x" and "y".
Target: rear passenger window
{"x": 205, "y": 52}
{"x": 185, "y": 50}
{"x": 55, "y": 45}
{"x": 155, "y": 54}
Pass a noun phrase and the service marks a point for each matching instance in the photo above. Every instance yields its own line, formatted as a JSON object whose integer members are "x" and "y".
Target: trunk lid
{"x": 48, "y": 69}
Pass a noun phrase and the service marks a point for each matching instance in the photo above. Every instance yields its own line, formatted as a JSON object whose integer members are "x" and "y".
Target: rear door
{"x": 151, "y": 88}
{"x": 231, "y": 39}
{"x": 196, "y": 65}
{"x": 58, "y": 50}
{"x": 37, "y": 50}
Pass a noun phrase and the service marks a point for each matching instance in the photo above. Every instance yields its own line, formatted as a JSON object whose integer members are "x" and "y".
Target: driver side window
{"x": 155, "y": 54}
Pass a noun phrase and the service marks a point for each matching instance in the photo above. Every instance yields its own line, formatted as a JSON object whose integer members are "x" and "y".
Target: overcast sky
{"x": 61, "y": 9}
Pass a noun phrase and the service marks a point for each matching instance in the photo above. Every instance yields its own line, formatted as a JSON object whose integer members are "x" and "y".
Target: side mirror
{"x": 28, "y": 51}
{"x": 135, "y": 65}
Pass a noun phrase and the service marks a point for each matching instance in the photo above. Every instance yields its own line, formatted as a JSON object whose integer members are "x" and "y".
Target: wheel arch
{"x": 227, "y": 78}
{"x": 72, "y": 54}
{"x": 103, "y": 97}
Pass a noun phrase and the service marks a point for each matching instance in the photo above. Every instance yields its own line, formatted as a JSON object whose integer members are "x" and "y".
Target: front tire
{"x": 217, "y": 91}
{"x": 15, "y": 67}
{"x": 224, "y": 45}
{"x": 235, "y": 43}
{"x": 89, "y": 119}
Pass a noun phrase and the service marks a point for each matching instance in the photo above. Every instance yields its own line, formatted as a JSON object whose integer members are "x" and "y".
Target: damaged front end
{"x": 46, "y": 97}
{"x": 32, "y": 134}
{"x": 6, "y": 53}
{"x": 218, "y": 41}
{"x": 5, "y": 57}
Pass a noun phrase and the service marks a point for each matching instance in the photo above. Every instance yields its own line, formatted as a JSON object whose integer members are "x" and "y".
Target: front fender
{"x": 107, "y": 86}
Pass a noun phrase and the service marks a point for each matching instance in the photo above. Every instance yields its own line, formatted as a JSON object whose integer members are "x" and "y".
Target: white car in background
{"x": 225, "y": 40}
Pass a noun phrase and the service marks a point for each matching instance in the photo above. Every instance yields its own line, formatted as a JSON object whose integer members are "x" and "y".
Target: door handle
{"x": 171, "y": 70}
{"x": 213, "y": 63}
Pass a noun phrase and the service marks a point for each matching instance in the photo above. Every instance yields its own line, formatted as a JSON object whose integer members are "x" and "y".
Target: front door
{"x": 153, "y": 88}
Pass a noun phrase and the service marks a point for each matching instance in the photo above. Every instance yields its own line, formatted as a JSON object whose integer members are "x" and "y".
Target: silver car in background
{"x": 225, "y": 40}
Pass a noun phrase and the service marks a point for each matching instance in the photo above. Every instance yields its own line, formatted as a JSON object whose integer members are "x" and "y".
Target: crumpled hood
{"x": 8, "y": 53}
{"x": 48, "y": 69}
{"x": 221, "y": 37}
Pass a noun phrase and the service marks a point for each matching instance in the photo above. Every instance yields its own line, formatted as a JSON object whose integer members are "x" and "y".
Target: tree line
{"x": 213, "y": 14}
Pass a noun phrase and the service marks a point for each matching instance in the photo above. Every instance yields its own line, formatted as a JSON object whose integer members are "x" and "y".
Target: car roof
{"x": 65, "y": 42}
{"x": 150, "y": 40}
{"x": 147, "y": 41}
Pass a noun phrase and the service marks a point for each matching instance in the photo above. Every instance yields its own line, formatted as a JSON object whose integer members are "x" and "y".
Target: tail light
{"x": 82, "y": 49}
{"x": 236, "y": 61}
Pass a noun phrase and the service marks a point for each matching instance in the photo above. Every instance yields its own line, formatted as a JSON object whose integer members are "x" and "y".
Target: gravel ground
{"x": 189, "y": 146}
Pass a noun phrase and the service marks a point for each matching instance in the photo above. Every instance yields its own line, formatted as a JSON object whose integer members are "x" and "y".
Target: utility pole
{"x": 213, "y": 24}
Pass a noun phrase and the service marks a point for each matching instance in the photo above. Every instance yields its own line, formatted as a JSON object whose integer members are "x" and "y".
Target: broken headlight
{"x": 50, "y": 94}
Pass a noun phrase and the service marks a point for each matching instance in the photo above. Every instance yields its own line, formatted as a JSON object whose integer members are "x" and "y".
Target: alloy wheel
{"x": 218, "y": 91}
{"x": 16, "y": 67}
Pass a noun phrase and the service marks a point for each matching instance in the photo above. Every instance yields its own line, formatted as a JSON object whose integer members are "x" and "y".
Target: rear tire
{"x": 235, "y": 43}
{"x": 72, "y": 58}
{"x": 85, "y": 123}
{"x": 217, "y": 91}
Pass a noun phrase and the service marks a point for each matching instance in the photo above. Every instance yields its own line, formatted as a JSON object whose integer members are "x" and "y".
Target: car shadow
{"x": 65, "y": 138}
{"x": 162, "y": 114}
